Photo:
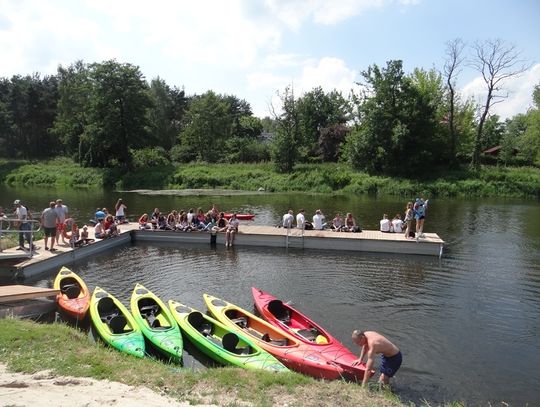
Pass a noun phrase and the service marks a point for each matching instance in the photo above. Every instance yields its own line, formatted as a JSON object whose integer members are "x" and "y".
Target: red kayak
{"x": 290, "y": 351}
{"x": 74, "y": 297}
{"x": 294, "y": 323}
{"x": 240, "y": 216}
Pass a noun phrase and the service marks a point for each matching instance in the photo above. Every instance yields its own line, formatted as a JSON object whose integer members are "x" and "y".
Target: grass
{"x": 30, "y": 347}
{"x": 489, "y": 181}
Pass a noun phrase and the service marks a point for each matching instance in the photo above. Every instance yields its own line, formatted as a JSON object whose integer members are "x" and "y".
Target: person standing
{"x": 420, "y": 208}
{"x": 21, "y": 212}
{"x": 120, "y": 209}
{"x": 288, "y": 219}
{"x": 62, "y": 211}
{"x": 373, "y": 343}
{"x": 409, "y": 215}
{"x": 49, "y": 219}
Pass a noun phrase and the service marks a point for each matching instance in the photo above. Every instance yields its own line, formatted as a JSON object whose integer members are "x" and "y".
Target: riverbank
{"x": 29, "y": 347}
{"x": 489, "y": 181}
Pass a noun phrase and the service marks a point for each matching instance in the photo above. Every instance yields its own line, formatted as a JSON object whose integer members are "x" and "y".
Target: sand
{"x": 43, "y": 389}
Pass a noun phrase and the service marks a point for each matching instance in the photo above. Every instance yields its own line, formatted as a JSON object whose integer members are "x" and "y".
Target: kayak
{"x": 221, "y": 343}
{"x": 115, "y": 324}
{"x": 293, "y": 322}
{"x": 74, "y": 297}
{"x": 290, "y": 351}
{"x": 240, "y": 216}
{"x": 157, "y": 323}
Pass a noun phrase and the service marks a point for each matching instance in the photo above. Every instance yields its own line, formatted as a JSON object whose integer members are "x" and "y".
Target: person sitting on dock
{"x": 318, "y": 220}
{"x": 154, "y": 218}
{"x": 221, "y": 223}
{"x": 288, "y": 219}
{"x": 397, "y": 224}
{"x": 337, "y": 223}
{"x": 232, "y": 230}
{"x": 99, "y": 230}
{"x": 110, "y": 226}
{"x": 350, "y": 224}
{"x": 84, "y": 239}
{"x": 373, "y": 343}
{"x": 386, "y": 225}
{"x": 143, "y": 222}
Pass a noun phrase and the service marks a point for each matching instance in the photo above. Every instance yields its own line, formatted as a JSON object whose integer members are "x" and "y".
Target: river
{"x": 468, "y": 324}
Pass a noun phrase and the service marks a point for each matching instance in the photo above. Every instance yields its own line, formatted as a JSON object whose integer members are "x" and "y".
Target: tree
{"x": 74, "y": 89}
{"x": 208, "y": 125}
{"x": 284, "y": 149}
{"x": 330, "y": 141}
{"x": 165, "y": 113}
{"x": 117, "y": 118}
{"x": 399, "y": 127}
{"x": 529, "y": 143}
{"x": 452, "y": 68}
{"x": 497, "y": 62}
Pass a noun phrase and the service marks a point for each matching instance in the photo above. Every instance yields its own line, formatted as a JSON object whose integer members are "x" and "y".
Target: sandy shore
{"x": 42, "y": 389}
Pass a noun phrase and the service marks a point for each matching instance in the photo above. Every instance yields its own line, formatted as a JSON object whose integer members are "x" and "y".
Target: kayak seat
{"x": 278, "y": 310}
{"x": 71, "y": 290}
{"x": 107, "y": 309}
{"x": 242, "y": 322}
{"x": 309, "y": 334}
{"x": 278, "y": 342}
{"x": 197, "y": 321}
{"x": 117, "y": 324}
{"x": 229, "y": 341}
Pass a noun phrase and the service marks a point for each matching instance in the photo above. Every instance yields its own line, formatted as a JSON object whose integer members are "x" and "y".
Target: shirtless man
{"x": 373, "y": 343}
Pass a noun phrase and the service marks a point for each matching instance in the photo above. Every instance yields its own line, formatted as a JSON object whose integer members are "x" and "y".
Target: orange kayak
{"x": 74, "y": 297}
{"x": 293, "y": 322}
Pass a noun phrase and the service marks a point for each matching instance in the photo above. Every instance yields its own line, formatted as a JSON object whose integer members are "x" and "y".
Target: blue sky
{"x": 253, "y": 49}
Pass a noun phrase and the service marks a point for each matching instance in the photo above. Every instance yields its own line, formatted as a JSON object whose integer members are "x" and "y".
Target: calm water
{"x": 467, "y": 324}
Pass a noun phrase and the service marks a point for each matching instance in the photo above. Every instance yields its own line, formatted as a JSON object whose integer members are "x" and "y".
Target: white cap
{"x": 17, "y": 202}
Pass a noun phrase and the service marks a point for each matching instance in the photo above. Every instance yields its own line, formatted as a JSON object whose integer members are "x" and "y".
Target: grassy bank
{"x": 30, "y": 347}
{"x": 323, "y": 178}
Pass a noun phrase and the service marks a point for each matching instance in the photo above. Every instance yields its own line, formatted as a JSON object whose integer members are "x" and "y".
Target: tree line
{"x": 107, "y": 115}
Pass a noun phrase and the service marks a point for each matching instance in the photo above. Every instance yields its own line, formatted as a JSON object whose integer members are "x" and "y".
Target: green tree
{"x": 284, "y": 148}
{"x": 398, "y": 132}
{"x": 75, "y": 89}
{"x": 208, "y": 125}
{"x": 165, "y": 113}
{"x": 117, "y": 119}
{"x": 529, "y": 143}
{"x": 318, "y": 110}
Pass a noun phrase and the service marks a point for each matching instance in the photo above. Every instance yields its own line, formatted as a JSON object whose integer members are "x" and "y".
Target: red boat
{"x": 74, "y": 297}
{"x": 290, "y": 351}
{"x": 294, "y": 323}
{"x": 240, "y": 216}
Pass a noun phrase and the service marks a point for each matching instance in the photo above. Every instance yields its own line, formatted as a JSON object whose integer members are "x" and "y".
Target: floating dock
{"x": 25, "y": 301}
{"x": 42, "y": 260}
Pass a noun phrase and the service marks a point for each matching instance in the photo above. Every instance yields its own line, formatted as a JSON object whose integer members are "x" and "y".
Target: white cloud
{"x": 519, "y": 90}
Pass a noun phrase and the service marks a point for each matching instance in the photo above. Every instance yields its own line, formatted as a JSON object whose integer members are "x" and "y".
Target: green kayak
{"x": 114, "y": 323}
{"x": 156, "y": 323}
{"x": 220, "y": 343}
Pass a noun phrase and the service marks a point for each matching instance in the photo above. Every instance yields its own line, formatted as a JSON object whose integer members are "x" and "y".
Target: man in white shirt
{"x": 62, "y": 211}
{"x": 300, "y": 219}
{"x": 288, "y": 219}
{"x": 318, "y": 220}
{"x": 385, "y": 224}
{"x": 397, "y": 224}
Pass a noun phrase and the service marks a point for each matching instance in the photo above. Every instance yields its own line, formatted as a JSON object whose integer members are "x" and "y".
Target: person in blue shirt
{"x": 420, "y": 208}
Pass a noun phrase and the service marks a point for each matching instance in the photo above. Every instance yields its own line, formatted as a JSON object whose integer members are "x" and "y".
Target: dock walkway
{"x": 249, "y": 235}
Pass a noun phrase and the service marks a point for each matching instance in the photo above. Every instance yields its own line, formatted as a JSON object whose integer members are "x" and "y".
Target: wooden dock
{"x": 24, "y": 301}
{"x": 249, "y": 235}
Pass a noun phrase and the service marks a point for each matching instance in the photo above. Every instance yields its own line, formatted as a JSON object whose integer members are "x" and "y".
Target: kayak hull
{"x": 115, "y": 324}
{"x": 156, "y": 322}
{"x": 74, "y": 296}
{"x": 207, "y": 335}
{"x": 288, "y": 350}
{"x": 308, "y": 332}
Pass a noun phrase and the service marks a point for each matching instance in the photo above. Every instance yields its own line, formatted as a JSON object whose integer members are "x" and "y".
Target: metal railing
{"x": 14, "y": 226}
{"x": 289, "y": 235}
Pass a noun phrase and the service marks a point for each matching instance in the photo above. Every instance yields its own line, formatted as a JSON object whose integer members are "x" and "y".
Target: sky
{"x": 253, "y": 49}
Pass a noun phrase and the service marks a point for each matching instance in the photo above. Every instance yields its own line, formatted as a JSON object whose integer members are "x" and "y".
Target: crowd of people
{"x": 192, "y": 221}
{"x": 413, "y": 211}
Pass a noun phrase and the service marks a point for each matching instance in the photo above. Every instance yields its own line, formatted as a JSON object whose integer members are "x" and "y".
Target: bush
{"x": 150, "y": 157}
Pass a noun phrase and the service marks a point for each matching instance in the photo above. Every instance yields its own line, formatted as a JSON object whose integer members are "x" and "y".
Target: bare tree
{"x": 452, "y": 68}
{"x": 496, "y": 61}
